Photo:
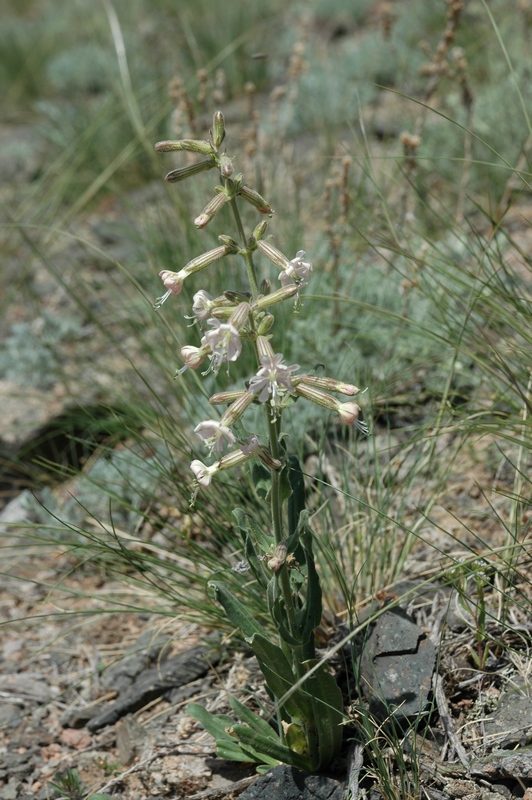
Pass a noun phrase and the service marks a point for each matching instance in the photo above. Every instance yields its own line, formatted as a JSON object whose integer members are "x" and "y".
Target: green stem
{"x": 283, "y": 576}
{"x": 248, "y": 258}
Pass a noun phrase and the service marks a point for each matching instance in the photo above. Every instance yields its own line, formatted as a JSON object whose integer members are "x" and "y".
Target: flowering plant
{"x": 307, "y": 732}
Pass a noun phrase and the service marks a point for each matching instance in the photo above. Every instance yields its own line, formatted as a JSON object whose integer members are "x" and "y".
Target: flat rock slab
{"x": 154, "y": 682}
{"x": 517, "y": 765}
{"x": 288, "y": 783}
{"x": 396, "y": 666}
{"x": 511, "y": 722}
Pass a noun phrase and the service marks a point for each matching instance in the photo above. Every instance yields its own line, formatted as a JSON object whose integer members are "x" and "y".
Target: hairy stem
{"x": 248, "y": 258}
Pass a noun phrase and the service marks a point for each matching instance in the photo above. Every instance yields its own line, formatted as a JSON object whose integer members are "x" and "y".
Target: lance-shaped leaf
{"x": 328, "y": 713}
{"x": 280, "y": 677}
{"x": 249, "y": 717}
{"x": 227, "y": 746}
{"x": 236, "y": 611}
{"x": 270, "y": 748}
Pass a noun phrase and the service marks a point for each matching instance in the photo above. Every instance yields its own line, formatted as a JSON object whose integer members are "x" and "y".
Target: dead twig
{"x": 445, "y": 716}
{"x": 355, "y": 760}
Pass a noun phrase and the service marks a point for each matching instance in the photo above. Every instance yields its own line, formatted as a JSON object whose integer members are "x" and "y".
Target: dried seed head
{"x": 278, "y": 558}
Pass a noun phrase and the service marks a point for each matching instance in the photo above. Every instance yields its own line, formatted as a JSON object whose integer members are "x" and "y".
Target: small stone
{"x": 75, "y": 738}
{"x": 11, "y": 790}
{"x": 10, "y": 716}
{"x": 289, "y": 783}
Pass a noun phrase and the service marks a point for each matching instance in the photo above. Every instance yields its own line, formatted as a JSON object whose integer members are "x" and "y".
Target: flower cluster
{"x": 229, "y": 320}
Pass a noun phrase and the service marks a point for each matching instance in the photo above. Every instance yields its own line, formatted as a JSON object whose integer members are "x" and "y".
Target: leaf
{"x": 261, "y": 478}
{"x": 236, "y": 611}
{"x": 328, "y": 713}
{"x": 309, "y": 617}
{"x": 256, "y": 723}
{"x": 218, "y": 725}
{"x": 296, "y": 501}
{"x": 280, "y": 677}
{"x": 270, "y": 747}
{"x": 284, "y": 483}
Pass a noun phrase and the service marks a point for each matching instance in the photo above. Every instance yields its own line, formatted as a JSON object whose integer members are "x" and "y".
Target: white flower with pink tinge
{"x": 298, "y": 270}
{"x": 224, "y": 342}
{"x": 213, "y": 434}
{"x": 273, "y": 379}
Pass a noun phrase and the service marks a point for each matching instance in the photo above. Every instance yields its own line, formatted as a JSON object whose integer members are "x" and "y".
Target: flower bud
{"x": 212, "y": 208}
{"x": 218, "y": 129}
{"x": 236, "y": 409}
{"x": 222, "y": 312}
{"x": 237, "y": 297}
{"x": 228, "y": 241}
{"x": 256, "y": 200}
{"x": 190, "y": 145}
{"x": 226, "y": 166}
{"x": 275, "y": 255}
{"x": 317, "y": 396}
{"x": 329, "y": 384}
{"x": 205, "y": 260}
{"x": 276, "y": 297}
{"x": 240, "y": 316}
{"x": 176, "y": 175}
{"x": 260, "y": 230}
{"x": 265, "y": 325}
{"x": 264, "y": 347}
{"x": 226, "y": 397}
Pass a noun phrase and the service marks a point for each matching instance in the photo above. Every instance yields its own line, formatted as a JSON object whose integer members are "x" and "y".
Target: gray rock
{"x": 148, "y": 650}
{"x": 27, "y": 687}
{"x": 11, "y": 790}
{"x": 516, "y": 765}
{"x": 396, "y": 666}
{"x": 154, "y": 682}
{"x": 511, "y": 722}
{"x": 288, "y": 783}
{"x": 10, "y": 716}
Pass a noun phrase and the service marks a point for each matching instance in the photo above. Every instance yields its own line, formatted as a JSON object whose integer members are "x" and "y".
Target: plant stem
{"x": 283, "y": 576}
{"x": 248, "y": 258}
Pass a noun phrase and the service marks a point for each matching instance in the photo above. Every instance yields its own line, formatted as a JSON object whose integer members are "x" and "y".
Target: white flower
{"x": 298, "y": 270}
{"x": 250, "y": 446}
{"x": 202, "y": 304}
{"x": 224, "y": 342}
{"x": 193, "y": 356}
{"x": 213, "y": 434}
{"x": 202, "y": 473}
{"x": 273, "y": 380}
